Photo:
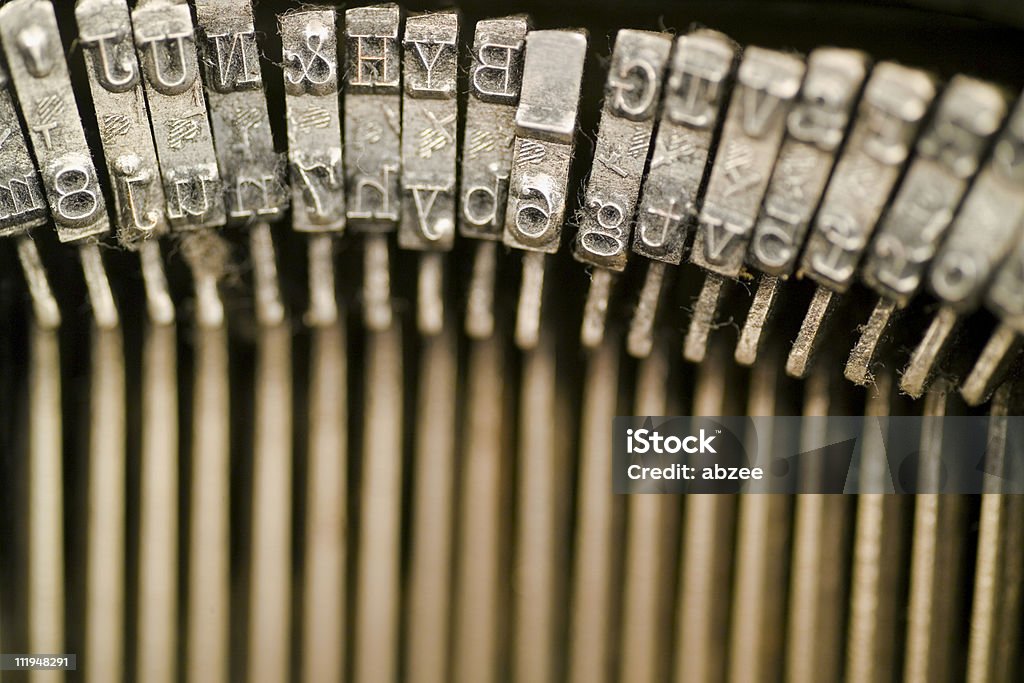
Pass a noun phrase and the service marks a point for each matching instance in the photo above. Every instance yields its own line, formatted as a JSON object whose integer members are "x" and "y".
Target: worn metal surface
{"x": 309, "y": 46}
{"x": 38, "y": 72}
{"x": 166, "y": 46}
{"x": 105, "y": 30}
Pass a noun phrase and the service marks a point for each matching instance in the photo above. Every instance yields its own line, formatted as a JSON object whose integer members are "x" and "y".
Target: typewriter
{"x": 320, "y": 322}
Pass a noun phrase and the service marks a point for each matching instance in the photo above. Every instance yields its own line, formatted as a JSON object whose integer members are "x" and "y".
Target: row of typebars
{"x": 226, "y": 480}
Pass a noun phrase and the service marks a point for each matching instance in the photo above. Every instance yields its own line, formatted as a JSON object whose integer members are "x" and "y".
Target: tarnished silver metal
{"x": 495, "y": 80}
{"x": 696, "y": 88}
{"x": 542, "y": 155}
{"x": 430, "y": 293}
{"x": 595, "y": 308}
{"x": 760, "y": 314}
{"x": 269, "y": 302}
{"x": 932, "y": 349}
{"x": 22, "y": 202}
{"x": 430, "y": 129}
{"x": 766, "y": 87}
{"x": 159, "y": 304}
{"x": 39, "y": 74}
{"x": 631, "y": 99}
{"x": 373, "y": 117}
{"x": 373, "y": 145}
{"x": 309, "y": 46}
{"x": 430, "y": 124}
{"x": 480, "y": 298}
{"x": 377, "y": 313}
{"x": 997, "y": 357}
{"x": 872, "y": 334}
{"x": 980, "y": 239}
{"x": 323, "y": 303}
{"x": 946, "y": 158}
{"x": 531, "y": 292}
{"x": 987, "y": 224}
{"x": 805, "y": 346}
{"x": 699, "y": 70}
{"x": 105, "y": 32}
{"x": 165, "y": 42}
{"x": 251, "y": 169}
{"x": 640, "y": 340}
{"x": 100, "y": 294}
{"x": 1004, "y": 293}
{"x": 702, "y": 319}
{"x": 208, "y": 605}
{"x": 44, "y": 304}
{"x": 207, "y": 254}
{"x": 545, "y": 139}
{"x": 133, "y": 170}
{"x": 896, "y": 100}
{"x": 1003, "y": 298}
{"x": 814, "y": 130}
{"x": 767, "y": 83}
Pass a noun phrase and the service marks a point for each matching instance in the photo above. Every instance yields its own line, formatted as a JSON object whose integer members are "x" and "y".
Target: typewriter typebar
{"x": 495, "y": 79}
{"x": 960, "y": 272}
{"x": 697, "y": 86}
{"x": 166, "y": 44}
{"x": 373, "y": 116}
{"x": 815, "y": 129}
{"x": 38, "y": 72}
{"x": 542, "y": 155}
{"x": 766, "y": 87}
{"x": 632, "y": 93}
{"x": 309, "y": 46}
{"x": 430, "y": 117}
{"x": 251, "y": 170}
{"x": 950, "y": 150}
{"x": 23, "y": 201}
{"x": 116, "y": 85}
{"x": 895, "y": 102}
